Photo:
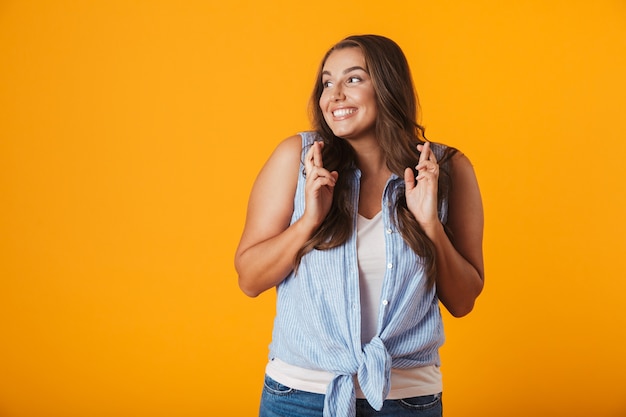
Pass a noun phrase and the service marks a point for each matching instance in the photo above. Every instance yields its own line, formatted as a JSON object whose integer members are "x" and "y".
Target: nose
{"x": 337, "y": 93}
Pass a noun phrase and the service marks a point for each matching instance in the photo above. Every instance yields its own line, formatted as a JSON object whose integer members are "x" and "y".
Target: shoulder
{"x": 275, "y": 184}
{"x": 282, "y": 167}
{"x": 457, "y": 165}
{"x": 460, "y": 163}
{"x": 295, "y": 147}
{"x": 299, "y": 141}
{"x": 290, "y": 144}
{"x": 450, "y": 156}
{"x": 464, "y": 191}
{"x": 288, "y": 151}
{"x": 443, "y": 152}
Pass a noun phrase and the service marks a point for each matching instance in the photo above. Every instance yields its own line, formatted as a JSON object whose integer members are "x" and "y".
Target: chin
{"x": 343, "y": 133}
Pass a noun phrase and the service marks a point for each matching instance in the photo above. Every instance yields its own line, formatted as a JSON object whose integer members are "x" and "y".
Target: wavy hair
{"x": 398, "y": 133}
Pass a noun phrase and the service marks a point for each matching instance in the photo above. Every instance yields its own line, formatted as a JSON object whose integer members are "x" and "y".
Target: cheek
{"x": 323, "y": 105}
{"x": 371, "y": 99}
{"x": 323, "y": 101}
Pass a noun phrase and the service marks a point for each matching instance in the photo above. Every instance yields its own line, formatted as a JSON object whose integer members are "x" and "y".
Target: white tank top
{"x": 371, "y": 258}
{"x": 370, "y": 249}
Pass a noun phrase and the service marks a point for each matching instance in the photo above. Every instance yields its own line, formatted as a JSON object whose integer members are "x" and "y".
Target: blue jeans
{"x": 279, "y": 400}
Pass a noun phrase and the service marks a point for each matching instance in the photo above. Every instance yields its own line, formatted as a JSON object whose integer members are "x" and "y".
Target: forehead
{"x": 340, "y": 59}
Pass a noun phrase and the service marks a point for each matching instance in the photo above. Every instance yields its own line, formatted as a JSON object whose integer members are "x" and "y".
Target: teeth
{"x": 343, "y": 112}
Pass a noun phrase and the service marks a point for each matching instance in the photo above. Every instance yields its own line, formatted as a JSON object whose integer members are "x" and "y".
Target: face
{"x": 348, "y": 100}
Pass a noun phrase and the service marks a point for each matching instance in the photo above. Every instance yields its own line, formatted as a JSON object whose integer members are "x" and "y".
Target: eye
{"x": 354, "y": 79}
{"x": 326, "y": 84}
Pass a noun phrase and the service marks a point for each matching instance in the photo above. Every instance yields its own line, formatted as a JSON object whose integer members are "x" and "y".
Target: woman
{"x": 363, "y": 227}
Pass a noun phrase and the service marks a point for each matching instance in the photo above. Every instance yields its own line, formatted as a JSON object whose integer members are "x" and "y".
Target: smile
{"x": 343, "y": 112}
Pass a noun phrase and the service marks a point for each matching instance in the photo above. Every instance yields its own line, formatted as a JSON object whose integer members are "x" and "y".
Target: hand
{"x": 421, "y": 191}
{"x": 320, "y": 184}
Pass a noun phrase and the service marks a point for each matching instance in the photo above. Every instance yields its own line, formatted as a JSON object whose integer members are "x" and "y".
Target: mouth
{"x": 338, "y": 113}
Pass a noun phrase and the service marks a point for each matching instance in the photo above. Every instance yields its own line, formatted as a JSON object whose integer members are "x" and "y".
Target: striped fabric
{"x": 318, "y": 317}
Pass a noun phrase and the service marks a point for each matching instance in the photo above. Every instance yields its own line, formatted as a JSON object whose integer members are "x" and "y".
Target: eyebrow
{"x": 347, "y": 70}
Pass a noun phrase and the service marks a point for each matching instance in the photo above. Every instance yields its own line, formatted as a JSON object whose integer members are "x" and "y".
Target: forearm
{"x": 267, "y": 264}
{"x": 458, "y": 282}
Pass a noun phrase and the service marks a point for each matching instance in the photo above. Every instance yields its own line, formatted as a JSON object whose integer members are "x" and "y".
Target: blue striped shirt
{"x": 318, "y": 317}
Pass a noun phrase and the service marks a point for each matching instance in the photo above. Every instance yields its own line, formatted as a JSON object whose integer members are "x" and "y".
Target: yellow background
{"x": 131, "y": 132}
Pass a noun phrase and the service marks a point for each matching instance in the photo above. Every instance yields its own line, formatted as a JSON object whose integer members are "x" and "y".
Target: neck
{"x": 370, "y": 159}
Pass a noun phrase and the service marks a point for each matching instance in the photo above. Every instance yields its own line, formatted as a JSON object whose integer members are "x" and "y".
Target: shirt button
{"x": 385, "y": 302}
{"x": 389, "y": 231}
{"x": 389, "y": 266}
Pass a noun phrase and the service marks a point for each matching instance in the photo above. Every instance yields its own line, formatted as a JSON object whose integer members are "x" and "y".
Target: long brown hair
{"x": 398, "y": 133}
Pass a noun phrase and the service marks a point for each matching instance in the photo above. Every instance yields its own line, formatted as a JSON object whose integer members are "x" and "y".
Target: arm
{"x": 459, "y": 258}
{"x": 460, "y": 269}
{"x": 268, "y": 245}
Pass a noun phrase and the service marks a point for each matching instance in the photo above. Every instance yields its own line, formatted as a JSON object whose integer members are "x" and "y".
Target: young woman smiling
{"x": 364, "y": 227}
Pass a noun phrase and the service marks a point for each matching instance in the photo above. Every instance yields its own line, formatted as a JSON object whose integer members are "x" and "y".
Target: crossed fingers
{"x": 314, "y": 166}
{"x": 427, "y": 166}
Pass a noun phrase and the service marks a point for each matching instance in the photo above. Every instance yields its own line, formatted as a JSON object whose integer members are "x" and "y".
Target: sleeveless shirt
{"x": 318, "y": 318}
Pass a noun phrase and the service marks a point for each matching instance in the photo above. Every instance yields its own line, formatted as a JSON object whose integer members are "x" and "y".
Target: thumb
{"x": 409, "y": 179}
